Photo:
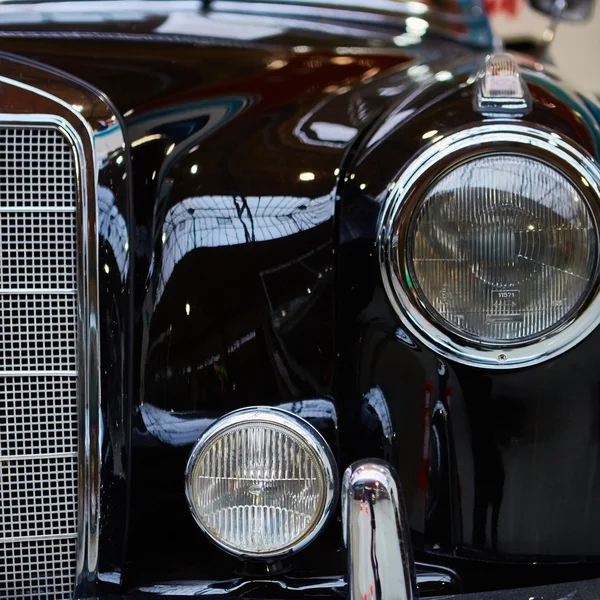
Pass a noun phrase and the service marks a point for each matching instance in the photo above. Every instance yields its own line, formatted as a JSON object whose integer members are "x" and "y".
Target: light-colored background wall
{"x": 575, "y": 50}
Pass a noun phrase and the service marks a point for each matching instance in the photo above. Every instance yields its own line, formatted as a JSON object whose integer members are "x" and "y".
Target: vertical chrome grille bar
{"x": 40, "y": 347}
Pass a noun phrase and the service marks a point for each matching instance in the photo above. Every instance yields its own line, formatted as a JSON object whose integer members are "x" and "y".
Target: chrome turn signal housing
{"x": 261, "y": 482}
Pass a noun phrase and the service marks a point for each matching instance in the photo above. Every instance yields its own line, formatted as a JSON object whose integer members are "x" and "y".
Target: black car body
{"x": 246, "y": 150}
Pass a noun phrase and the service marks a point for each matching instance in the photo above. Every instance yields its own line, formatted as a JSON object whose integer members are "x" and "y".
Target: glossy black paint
{"x": 431, "y": 581}
{"x": 583, "y": 590}
{"x": 205, "y": 348}
{"x": 240, "y": 297}
{"x": 497, "y": 466}
{"x": 258, "y": 169}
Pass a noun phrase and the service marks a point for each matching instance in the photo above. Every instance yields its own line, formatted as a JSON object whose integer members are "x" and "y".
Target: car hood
{"x": 323, "y": 23}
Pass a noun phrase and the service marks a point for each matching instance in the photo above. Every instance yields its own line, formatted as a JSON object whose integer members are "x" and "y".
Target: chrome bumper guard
{"x": 376, "y": 534}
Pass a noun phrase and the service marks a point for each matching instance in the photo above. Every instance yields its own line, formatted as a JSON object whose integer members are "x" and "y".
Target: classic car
{"x": 298, "y": 298}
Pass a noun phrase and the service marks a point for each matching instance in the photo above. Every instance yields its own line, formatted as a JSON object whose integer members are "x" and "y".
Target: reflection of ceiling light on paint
{"x": 301, "y": 49}
{"x": 145, "y": 140}
{"x": 106, "y": 269}
{"x": 333, "y": 132}
{"x": 276, "y": 64}
{"x": 307, "y": 176}
{"x": 187, "y": 309}
{"x": 406, "y": 39}
{"x": 170, "y": 149}
{"x": 194, "y": 169}
{"x": 417, "y": 8}
{"x": 418, "y": 70}
{"x": 212, "y": 221}
{"x": 443, "y": 75}
{"x": 370, "y": 73}
{"x": 429, "y": 134}
{"x": 78, "y": 107}
{"x": 341, "y": 60}
{"x": 120, "y": 159}
{"x": 416, "y": 26}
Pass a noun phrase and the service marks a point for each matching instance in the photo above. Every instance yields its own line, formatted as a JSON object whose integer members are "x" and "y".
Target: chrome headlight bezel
{"x": 297, "y": 426}
{"x": 404, "y": 199}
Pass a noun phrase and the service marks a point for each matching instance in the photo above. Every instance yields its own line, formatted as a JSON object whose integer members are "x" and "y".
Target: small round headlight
{"x": 489, "y": 245}
{"x": 261, "y": 482}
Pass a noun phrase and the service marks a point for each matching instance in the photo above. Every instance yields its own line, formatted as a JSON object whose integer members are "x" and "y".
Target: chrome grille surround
{"x": 41, "y": 385}
{"x": 36, "y": 96}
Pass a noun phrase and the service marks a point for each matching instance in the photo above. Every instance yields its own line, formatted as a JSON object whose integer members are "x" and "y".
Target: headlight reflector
{"x": 488, "y": 245}
{"x": 261, "y": 482}
{"x": 502, "y": 249}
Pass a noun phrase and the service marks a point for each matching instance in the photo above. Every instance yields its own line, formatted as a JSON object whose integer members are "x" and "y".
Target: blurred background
{"x": 576, "y": 47}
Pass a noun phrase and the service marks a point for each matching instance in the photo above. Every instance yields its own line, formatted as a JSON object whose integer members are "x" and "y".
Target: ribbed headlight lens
{"x": 502, "y": 249}
{"x": 489, "y": 247}
{"x": 261, "y": 482}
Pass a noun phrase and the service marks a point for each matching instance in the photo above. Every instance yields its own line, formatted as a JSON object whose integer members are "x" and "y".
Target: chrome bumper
{"x": 376, "y": 534}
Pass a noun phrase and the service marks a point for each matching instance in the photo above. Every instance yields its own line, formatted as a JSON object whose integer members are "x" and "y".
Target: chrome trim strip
{"x": 35, "y": 456}
{"x": 404, "y": 197}
{"x": 88, "y": 345}
{"x": 376, "y": 533}
{"x": 40, "y": 538}
{"x": 285, "y": 420}
{"x": 16, "y": 291}
{"x": 33, "y": 209}
{"x": 33, "y": 373}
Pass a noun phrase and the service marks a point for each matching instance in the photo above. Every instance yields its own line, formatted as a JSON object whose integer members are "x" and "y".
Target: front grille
{"x": 38, "y": 363}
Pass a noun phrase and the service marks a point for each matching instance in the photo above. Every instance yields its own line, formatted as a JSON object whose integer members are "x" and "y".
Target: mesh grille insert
{"x": 38, "y": 364}
{"x": 38, "y": 249}
{"x": 38, "y": 569}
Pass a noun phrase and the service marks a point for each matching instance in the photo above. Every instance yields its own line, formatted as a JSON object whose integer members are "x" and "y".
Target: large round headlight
{"x": 489, "y": 246}
{"x": 502, "y": 249}
{"x": 261, "y": 482}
